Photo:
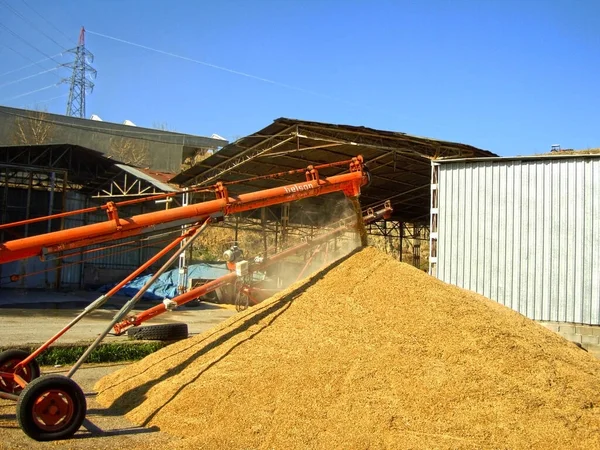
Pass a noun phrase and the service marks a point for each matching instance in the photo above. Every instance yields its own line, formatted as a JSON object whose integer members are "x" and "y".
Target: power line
{"x": 48, "y": 100}
{"x": 19, "y": 53}
{"x": 24, "y": 19}
{"x": 225, "y": 69}
{"x": 47, "y": 21}
{"x": 30, "y": 45}
{"x": 29, "y": 93}
{"x": 27, "y": 77}
{"x": 27, "y": 57}
{"x": 28, "y": 65}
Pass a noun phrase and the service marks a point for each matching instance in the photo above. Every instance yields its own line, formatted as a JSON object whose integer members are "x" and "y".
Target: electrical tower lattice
{"x": 81, "y": 78}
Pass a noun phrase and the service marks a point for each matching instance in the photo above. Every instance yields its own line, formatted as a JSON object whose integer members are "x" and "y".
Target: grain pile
{"x": 370, "y": 353}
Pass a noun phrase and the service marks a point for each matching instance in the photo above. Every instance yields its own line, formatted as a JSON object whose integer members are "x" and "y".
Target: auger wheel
{"x": 8, "y": 360}
{"x": 50, "y": 408}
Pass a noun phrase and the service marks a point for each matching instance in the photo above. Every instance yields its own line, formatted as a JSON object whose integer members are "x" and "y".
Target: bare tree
{"x": 164, "y": 126}
{"x": 36, "y": 129}
{"x": 129, "y": 151}
{"x": 199, "y": 155}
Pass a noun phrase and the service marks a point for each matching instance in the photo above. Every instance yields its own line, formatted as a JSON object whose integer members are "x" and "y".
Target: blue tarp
{"x": 166, "y": 285}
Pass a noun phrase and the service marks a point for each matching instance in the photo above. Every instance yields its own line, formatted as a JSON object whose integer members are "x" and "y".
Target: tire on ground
{"x": 164, "y": 332}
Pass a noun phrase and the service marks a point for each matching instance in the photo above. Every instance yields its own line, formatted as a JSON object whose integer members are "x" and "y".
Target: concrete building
{"x": 159, "y": 150}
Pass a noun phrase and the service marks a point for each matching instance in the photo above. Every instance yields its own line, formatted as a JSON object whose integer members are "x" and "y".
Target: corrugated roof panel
{"x": 399, "y": 163}
{"x": 150, "y": 179}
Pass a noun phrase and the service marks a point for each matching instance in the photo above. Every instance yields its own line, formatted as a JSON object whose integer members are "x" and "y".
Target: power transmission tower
{"x": 81, "y": 78}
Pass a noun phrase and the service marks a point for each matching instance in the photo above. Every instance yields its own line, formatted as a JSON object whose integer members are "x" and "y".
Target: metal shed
{"x": 523, "y": 231}
{"x": 162, "y": 150}
{"x": 45, "y": 179}
{"x": 399, "y": 164}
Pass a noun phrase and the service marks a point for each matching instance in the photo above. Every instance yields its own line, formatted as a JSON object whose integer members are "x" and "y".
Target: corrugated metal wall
{"x": 525, "y": 233}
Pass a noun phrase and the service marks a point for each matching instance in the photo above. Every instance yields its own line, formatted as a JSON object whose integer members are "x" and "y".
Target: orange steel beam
{"x": 86, "y": 242}
{"x": 85, "y": 210}
{"x": 349, "y": 183}
{"x": 180, "y": 300}
{"x": 98, "y": 208}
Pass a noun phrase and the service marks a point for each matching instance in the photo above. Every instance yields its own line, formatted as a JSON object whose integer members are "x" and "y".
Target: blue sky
{"x": 510, "y": 76}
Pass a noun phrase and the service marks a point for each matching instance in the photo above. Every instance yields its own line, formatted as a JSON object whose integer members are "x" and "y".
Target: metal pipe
{"x": 317, "y": 250}
{"x": 7, "y": 396}
{"x": 180, "y": 300}
{"x": 370, "y": 216}
{"x": 349, "y": 183}
{"x": 132, "y": 302}
{"x": 103, "y": 298}
{"x": 94, "y": 209}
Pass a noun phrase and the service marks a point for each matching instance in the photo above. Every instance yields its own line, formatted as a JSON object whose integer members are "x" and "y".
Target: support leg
{"x": 131, "y": 303}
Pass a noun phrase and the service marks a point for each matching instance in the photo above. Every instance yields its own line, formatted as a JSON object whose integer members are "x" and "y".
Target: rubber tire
{"x": 19, "y": 355}
{"x": 30, "y": 395}
{"x": 164, "y": 332}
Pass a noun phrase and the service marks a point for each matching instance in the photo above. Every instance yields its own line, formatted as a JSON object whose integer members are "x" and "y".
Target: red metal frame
{"x": 180, "y": 300}
{"x": 14, "y": 377}
{"x": 370, "y": 216}
{"x": 116, "y": 227}
{"x": 110, "y": 293}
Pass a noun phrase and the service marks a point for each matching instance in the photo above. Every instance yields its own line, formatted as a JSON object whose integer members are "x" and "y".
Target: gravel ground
{"x": 102, "y": 429}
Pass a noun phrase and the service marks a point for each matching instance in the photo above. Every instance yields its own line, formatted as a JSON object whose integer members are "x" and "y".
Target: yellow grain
{"x": 370, "y": 353}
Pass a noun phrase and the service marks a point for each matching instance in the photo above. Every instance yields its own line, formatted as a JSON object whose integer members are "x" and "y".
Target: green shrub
{"x": 112, "y": 352}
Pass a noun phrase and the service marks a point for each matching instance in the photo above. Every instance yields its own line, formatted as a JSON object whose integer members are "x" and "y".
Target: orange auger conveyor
{"x": 54, "y": 407}
{"x": 368, "y": 217}
{"x": 116, "y": 227}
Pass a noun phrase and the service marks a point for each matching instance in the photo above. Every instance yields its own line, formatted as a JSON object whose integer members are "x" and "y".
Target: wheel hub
{"x": 9, "y": 385}
{"x": 53, "y": 410}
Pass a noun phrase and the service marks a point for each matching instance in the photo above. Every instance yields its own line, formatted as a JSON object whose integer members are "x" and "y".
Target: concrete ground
{"x": 102, "y": 429}
{"x": 32, "y": 318}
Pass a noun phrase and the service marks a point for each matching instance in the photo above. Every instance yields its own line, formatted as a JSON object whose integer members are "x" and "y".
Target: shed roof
{"x": 149, "y": 177}
{"x": 114, "y": 129}
{"x": 400, "y": 164}
{"x": 87, "y": 167}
